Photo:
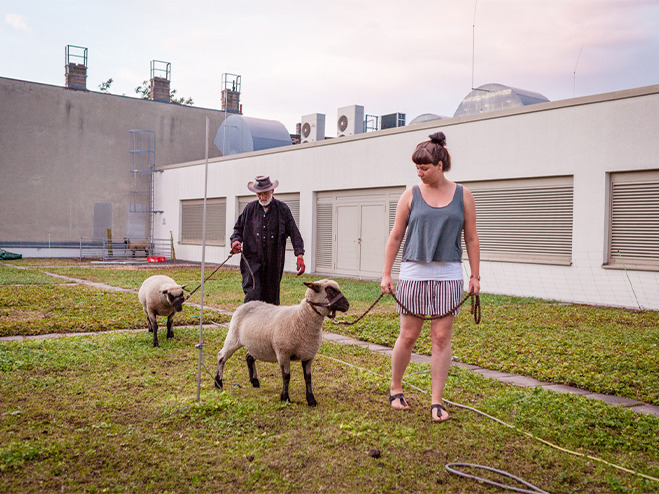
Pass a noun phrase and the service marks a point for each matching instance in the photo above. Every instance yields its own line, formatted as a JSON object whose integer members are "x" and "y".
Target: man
{"x": 260, "y": 233}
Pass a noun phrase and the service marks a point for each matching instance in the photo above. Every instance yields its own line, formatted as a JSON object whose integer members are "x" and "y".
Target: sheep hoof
{"x": 218, "y": 383}
{"x": 255, "y": 382}
{"x": 312, "y": 402}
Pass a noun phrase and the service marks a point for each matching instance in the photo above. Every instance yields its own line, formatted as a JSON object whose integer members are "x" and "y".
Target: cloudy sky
{"x": 302, "y": 57}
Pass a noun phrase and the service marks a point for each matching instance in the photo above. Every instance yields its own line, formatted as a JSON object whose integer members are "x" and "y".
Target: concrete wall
{"x": 585, "y": 138}
{"x": 62, "y": 151}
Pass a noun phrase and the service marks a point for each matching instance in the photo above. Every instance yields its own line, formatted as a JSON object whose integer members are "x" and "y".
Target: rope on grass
{"x": 510, "y": 426}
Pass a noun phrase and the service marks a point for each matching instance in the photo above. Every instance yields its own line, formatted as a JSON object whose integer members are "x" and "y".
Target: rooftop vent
{"x": 239, "y": 134}
{"x": 492, "y": 97}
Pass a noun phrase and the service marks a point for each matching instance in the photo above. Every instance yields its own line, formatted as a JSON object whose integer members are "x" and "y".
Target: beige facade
{"x": 567, "y": 195}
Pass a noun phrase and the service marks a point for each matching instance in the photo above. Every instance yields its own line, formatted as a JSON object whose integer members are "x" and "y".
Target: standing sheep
{"x": 161, "y": 296}
{"x": 280, "y": 334}
{"x": 134, "y": 246}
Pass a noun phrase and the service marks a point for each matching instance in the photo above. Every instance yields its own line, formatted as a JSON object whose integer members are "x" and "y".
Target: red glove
{"x": 300, "y": 266}
{"x": 236, "y": 247}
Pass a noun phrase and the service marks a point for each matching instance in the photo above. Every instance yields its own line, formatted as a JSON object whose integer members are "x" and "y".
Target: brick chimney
{"x": 76, "y": 73}
{"x": 160, "y": 81}
{"x": 159, "y": 89}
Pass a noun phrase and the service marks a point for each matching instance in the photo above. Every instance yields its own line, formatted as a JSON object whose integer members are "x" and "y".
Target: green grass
{"x": 110, "y": 413}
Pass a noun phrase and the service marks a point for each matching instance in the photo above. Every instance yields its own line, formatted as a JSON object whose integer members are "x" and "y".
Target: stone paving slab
{"x": 647, "y": 409}
{"x": 420, "y": 359}
{"x": 492, "y": 373}
{"x": 614, "y": 400}
{"x": 560, "y": 388}
{"x": 522, "y": 381}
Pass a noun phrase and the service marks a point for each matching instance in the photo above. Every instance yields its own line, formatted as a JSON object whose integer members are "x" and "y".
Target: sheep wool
{"x": 273, "y": 333}
{"x": 161, "y": 296}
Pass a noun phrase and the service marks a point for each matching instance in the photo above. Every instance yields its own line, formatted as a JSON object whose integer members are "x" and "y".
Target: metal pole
{"x": 203, "y": 266}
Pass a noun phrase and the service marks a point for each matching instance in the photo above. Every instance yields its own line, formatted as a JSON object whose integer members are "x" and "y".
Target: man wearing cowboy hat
{"x": 260, "y": 233}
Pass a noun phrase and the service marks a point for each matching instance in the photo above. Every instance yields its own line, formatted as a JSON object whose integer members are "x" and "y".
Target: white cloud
{"x": 17, "y": 21}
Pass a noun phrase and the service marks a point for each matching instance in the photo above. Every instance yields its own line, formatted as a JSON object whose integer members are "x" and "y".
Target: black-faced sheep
{"x": 139, "y": 245}
{"x": 280, "y": 334}
{"x": 161, "y": 296}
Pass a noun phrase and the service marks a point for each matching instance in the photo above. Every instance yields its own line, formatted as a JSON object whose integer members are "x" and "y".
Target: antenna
{"x": 574, "y": 74}
{"x": 473, "y": 44}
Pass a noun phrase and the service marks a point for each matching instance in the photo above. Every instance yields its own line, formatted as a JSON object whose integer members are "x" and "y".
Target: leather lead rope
{"x": 216, "y": 269}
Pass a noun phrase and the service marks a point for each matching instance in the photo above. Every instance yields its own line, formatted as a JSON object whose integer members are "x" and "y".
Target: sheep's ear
{"x": 314, "y": 286}
{"x": 183, "y": 286}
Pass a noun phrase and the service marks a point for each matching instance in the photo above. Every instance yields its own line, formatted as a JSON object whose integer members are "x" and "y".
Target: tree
{"x": 144, "y": 90}
{"x": 104, "y": 87}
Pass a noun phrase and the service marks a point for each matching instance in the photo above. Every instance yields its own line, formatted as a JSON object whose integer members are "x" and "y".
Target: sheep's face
{"x": 175, "y": 296}
{"x": 327, "y": 294}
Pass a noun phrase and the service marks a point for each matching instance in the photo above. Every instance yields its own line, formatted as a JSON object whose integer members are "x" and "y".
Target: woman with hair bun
{"x": 434, "y": 215}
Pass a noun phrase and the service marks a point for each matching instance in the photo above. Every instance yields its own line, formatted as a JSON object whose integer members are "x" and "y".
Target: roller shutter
{"x": 634, "y": 221}
{"x": 527, "y": 220}
{"x": 192, "y": 216}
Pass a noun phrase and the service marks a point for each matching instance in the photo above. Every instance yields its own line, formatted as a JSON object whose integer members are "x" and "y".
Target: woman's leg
{"x": 440, "y": 361}
{"x": 410, "y": 328}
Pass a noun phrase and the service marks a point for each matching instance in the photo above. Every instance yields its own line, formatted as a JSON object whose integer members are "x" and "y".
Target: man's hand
{"x": 236, "y": 247}
{"x": 300, "y": 266}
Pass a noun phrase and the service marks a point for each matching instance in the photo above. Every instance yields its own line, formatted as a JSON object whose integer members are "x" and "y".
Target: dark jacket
{"x": 263, "y": 236}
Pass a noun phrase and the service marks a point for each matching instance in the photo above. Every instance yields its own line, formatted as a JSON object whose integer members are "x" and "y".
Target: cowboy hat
{"x": 262, "y": 184}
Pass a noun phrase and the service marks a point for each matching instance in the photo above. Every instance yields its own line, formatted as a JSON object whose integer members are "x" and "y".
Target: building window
{"x": 192, "y": 224}
{"x": 634, "y": 220}
{"x": 525, "y": 220}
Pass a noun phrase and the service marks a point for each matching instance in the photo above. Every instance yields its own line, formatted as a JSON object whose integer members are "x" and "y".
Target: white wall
{"x": 586, "y": 138}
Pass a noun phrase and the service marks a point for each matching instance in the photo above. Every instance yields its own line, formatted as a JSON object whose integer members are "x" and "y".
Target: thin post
{"x": 203, "y": 266}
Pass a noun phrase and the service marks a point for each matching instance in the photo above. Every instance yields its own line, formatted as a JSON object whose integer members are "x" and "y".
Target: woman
{"x": 434, "y": 214}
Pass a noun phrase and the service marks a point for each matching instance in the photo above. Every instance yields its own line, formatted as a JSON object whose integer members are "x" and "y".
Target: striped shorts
{"x": 429, "y": 297}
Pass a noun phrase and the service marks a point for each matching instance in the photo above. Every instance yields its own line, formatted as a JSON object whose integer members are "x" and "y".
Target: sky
{"x": 301, "y": 57}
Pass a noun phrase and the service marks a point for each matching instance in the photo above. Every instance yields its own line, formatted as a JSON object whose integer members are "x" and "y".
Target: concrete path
{"x": 504, "y": 377}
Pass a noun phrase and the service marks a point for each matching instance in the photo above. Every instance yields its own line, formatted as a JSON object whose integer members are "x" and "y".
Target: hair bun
{"x": 438, "y": 138}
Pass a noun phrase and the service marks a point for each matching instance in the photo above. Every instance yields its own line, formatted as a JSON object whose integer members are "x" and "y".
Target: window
{"x": 525, "y": 220}
{"x": 634, "y": 220}
{"x": 192, "y": 216}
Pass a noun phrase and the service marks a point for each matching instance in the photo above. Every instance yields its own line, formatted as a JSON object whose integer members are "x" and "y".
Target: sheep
{"x": 161, "y": 296}
{"x": 280, "y": 334}
{"x": 138, "y": 245}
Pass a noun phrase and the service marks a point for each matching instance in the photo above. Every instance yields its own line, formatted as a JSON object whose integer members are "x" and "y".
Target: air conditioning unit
{"x": 392, "y": 121}
{"x": 350, "y": 121}
{"x": 312, "y": 128}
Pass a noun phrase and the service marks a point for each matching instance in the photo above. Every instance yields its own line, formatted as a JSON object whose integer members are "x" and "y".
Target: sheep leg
{"x": 286, "y": 378}
{"x": 153, "y": 327}
{"x": 306, "y": 368}
{"x": 170, "y": 323}
{"x": 251, "y": 368}
{"x": 230, "y": 346}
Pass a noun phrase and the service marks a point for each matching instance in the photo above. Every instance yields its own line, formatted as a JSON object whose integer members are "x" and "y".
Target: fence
{"x": 134, "y": 249}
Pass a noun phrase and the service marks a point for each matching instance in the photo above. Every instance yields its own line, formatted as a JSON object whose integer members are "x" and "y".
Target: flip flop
{"x": 403, "y": 402}
{"x": 439, "y": 408}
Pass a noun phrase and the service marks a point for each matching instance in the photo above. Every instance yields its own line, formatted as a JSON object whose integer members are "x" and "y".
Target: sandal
{"x": 403, "y": 402}
{"x": 439, "y": 408}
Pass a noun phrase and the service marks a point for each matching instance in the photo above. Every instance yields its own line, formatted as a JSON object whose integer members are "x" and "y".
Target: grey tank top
{"x": 433, "y": 234}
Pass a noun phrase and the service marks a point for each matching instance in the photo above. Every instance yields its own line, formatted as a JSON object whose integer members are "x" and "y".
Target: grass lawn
{"x": 109, "y": 413}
